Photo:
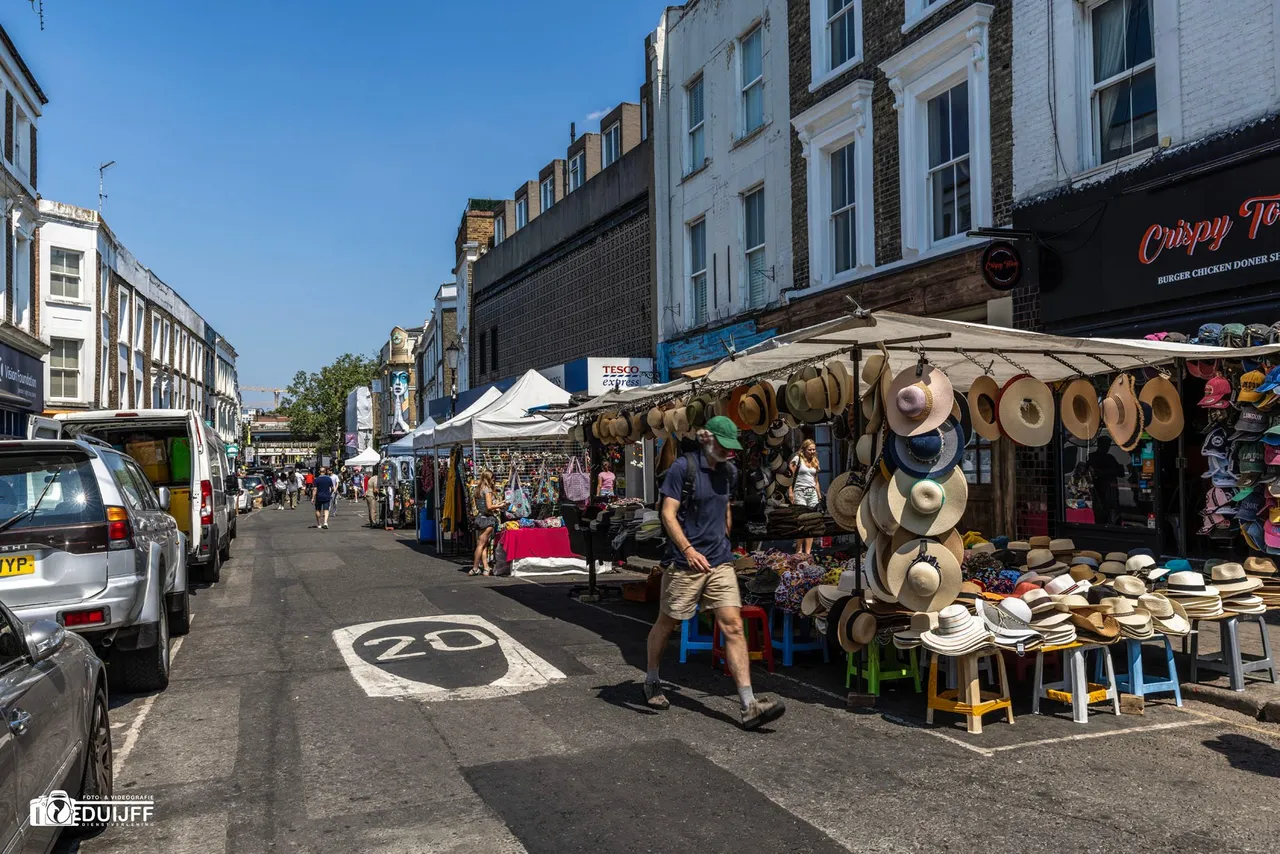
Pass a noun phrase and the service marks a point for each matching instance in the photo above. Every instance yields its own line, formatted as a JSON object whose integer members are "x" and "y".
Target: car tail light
{"x": 126, "y": 415}
{"x": 93, "y": 617}
{"x": 119, "y": 531}
{"x": 206, "y": 502}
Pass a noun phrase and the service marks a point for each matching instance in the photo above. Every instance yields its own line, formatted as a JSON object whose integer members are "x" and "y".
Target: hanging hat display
{"x": 1026, "y": 411}
{"x": 1166, "y": 409}
{"x": 1081, "y": 414}
{"x": 843, "y": 501}
{"x": 927, "y": 507}
{"x": 1121, "y": 412}
{"x": 844, "y": 384}
{"x": 928, "y": 455}
{"x": 923, "y": 574}
{"x": 984, "y": 407}
{"x": 798, "y": 395}
{"x": 878, "y": 497}
{"x": 960, "y": 412}
{"x": 918, "y": 404}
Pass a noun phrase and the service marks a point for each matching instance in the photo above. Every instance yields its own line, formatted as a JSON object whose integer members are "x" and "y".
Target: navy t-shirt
{"x": 703, "y": 524}
{"x": 324, "y": 488}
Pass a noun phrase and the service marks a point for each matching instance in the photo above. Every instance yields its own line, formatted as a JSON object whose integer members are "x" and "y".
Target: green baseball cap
{"x": 725, "y": 431}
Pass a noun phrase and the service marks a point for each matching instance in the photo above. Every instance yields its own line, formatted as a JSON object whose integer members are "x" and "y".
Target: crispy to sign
{"x": 1257, "y": 212}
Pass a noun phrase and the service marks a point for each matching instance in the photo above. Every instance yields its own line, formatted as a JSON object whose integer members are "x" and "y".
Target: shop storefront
{"x": 1185, "y": 248}
{"x": 21, "y": 391}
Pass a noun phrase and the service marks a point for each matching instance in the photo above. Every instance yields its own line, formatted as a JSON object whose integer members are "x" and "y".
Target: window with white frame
{"x": 522, "y": 212}
{"x": 22, "y": 283}
{"x": 696, "y": 110}
{"x": 137, "y": 379}
{"x": 64, "y": 273}
{"x": 835, "y": 33}
{"x": 917, "y": 10}
{"x": 949, "y": 200}
{"x": 611, "y": 145}
{"x": 122, "y": 318}
{"x": 753, "y": 221}
{"x": 751, "y": 51}
{"x": 577, "y": 170}
{"x": 499, "y": 229}
{"x": 104, "y": 281}
{"x": 64, "y": 369}
{"x": 698, "y": 270}
{"x": 547, "y": 193}
{"x": 103, "y": 377}
{"x": 166, "y": 354}
{"x": 1123, "y": 96}
{"x": 155, "y": 336}
{"x": 844, "y": 208}
{"x": 139, "y": 325}
{"x": 122, "y": 365}
{"x": 21, "y": 134}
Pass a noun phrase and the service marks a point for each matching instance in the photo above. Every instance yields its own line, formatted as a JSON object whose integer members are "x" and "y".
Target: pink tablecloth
{"x": 537, "y": 542}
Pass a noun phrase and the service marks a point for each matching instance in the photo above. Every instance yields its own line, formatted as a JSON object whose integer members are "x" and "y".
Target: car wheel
{"x": 224, "y": 553}
{"x": 148, "y": 669}
{"x": 180, "y": 614}
{"x": 211, "y": 572}
{"x": 97, "y": 782}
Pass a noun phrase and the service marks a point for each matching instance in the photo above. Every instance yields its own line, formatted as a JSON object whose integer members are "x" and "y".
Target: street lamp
{"x": 451, "y": 359}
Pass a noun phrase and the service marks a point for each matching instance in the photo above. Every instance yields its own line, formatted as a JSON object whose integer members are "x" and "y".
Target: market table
{"x": 542, "y": 551}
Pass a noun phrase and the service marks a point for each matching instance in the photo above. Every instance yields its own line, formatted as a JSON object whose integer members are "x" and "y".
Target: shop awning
{"x": 509, "y": 416}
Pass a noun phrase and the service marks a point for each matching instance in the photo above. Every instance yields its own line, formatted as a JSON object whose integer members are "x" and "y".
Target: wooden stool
{"x": 759, "y": 644}
{"x": 976, "y": 702}
{"x": 876, "y": 671}
{"x": 1075, "y": 689}
{"x": 785, "y": 638}
{"x": 1230, "y": 660}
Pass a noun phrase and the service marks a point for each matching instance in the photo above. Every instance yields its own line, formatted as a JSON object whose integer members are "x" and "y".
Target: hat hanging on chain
{"x": 1122, "y": 413}
{"x": 931, "y": 454}
{"x": 1166, "y": 420}
{"x": 1080, "y": 412}
{"x": 923, "y": 574}
{"x": 984, "y": 407}
{"x": 1026, "y": 411}
{"x": 927, "y": 506}
{"x": 918, "y": 404}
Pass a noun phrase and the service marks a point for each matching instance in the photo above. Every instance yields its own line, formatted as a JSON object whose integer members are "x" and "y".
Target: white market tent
{"x": 367, "y": 457}
{"x": 509, "y": 416}
{"x": 426, "y": 439}
{"x": 403, "y": 447}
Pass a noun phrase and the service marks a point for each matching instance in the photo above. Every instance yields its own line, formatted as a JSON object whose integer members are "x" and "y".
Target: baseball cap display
{"x": 1215, "y": 444}
{"x": 1249, "y": 387}
{"x": 1271, "y": 381}
{"x": 1217, "y": 393}
{"x": 1250, "y": 423}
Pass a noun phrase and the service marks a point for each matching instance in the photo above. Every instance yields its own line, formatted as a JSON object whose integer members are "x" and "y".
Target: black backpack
{"x": 688, "y": 492}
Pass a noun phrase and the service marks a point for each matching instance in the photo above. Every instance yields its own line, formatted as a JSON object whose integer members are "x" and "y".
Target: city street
{"x": 282, "y": 732}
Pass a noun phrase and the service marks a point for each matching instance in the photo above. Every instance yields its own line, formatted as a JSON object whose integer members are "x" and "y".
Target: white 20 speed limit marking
{"x": 440, "y": 657}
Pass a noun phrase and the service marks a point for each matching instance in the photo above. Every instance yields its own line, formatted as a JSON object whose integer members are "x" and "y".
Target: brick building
{"x": 436, "y": 381}
{"x": 394, "y": 395}
{"x": 570, "y": 280}
{"x": 483, "y": 221}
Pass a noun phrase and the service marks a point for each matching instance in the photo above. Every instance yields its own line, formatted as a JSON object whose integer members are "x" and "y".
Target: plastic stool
{"x": 1024, "y": 666}
{"x": 876, "y": 670}
{"x": 788, "y": 642}
{"x": 759, "y": 643}
{"x": 1230, "y": 660}
{"x": 1075, "y": 689}
{"x": 1136, "y": 681}
{"x": 976, "y": 702}
{"x": 691, "y": 639}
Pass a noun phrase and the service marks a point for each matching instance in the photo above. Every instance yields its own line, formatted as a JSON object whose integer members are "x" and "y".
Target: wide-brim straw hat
{"x": 843, "y": 501}
{"x": 928, "y": 507}
{"x": 1026, "y": 411}
{"x": 873, "y": 569}
{"x": 1166, "y": 409}
{"x": 959, "y": 632}
{"x": 1079, "y": 409}
{"x": 1009, "y": 621}
{"x": 923, "y": 574}
{"x": 874, "y": 368}
{"x": 856, "y": 629}
{"x": 1189, "y": 584}
{"x": 984, "y": 407}
{"x": 1169, "y": 616}
{"x": 1129, "y": 587}
{"x": 918, "y": 404}
{"x": 797, "y": 395}
{"x": 1092, "y": 624}
{"x": 1121, "y": 411}
{"x": 844, "y": 384}
{"x": 931, "y": 454}
{"x": 865, "y": 523}
{"x": 1230, "y": 579}
{"x": 878, "y": 495}
{"x": 637, "y": 423}
{"x": 1261, "y": 566}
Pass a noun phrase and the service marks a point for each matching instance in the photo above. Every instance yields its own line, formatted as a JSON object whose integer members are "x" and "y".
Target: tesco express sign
{"x": 604, "y": 374}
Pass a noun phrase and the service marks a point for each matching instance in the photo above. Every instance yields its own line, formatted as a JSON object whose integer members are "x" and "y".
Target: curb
{"x": 1259, "y": 707}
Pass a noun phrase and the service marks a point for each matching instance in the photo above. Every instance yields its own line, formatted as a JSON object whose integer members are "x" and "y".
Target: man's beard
{"x": 714, "y": 452}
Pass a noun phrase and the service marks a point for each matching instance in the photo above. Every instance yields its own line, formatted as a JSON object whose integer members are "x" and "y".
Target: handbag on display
{"x": 545, "y": 491}
{"x": 576, "y": 482}
{"x": 517, "y": 497}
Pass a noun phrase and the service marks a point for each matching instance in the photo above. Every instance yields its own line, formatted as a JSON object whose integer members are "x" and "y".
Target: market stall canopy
{"x": 964, "y": 351}
{"x": 403, "y": 447}
{"x": 367, "y": 457}
{"x": 509, "y": 417}
{"x": 629, "y": 398}
{"x": 426, "y": 439}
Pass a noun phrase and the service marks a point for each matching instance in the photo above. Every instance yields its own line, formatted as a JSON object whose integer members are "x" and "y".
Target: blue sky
{"x": 297, "y": 169}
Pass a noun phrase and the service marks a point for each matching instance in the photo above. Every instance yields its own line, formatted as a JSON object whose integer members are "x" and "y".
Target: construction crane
{"x": 275, "y": 391}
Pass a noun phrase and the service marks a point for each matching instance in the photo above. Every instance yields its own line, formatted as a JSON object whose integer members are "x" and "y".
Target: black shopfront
{"x": 1188, "y": 239}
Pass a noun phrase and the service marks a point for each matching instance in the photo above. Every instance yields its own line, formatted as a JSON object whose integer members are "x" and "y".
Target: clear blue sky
{"x": 297, "y": 168}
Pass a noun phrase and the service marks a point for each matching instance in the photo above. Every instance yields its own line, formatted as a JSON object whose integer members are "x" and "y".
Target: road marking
{"x": 1272, "y": 734}
{"x": 131, "y": 735}
{"x": 1084, "y": 736}
{"x": 981, "y": 751}
{"x": 455, "y": 649}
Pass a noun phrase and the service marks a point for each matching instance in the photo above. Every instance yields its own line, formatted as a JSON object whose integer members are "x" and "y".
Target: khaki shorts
{"x": 684, "y": 590}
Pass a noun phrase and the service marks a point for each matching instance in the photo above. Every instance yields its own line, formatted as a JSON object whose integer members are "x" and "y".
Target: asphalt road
{"x": 498, "y": 715}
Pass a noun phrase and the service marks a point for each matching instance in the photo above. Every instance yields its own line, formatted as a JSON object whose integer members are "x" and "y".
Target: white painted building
{"x": 1099, "y": 86}
{"x": 722, "y": 160}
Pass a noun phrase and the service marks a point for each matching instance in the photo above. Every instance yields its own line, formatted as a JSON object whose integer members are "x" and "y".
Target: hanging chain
{"x": 1161, "y": 369}
{"x": 1011, "y": 361}
{"x": 1066, "y": 364}
{"x": 1096, "y": 358}
{"x": 986, "y": 369}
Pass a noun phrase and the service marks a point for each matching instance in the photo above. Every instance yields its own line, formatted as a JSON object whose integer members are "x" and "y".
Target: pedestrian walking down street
{"x": 291, "y": 489}
{"x": 371, "y": 499}
{"x": 300, "y": 484}
{"x": 281, "y": 489}
{"x": 698, "y": 570}
{"x": 322, "y": 488}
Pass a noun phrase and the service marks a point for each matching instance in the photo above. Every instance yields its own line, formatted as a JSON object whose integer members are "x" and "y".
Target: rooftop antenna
{"x": 102, "y": 170}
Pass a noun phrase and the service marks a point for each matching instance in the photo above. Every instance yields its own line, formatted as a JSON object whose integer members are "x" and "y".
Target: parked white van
{"x": 181, "y": 453}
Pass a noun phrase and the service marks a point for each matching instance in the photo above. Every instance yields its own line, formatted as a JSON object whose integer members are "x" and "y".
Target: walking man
{"x": 698, "y": 570}
{"x": 323, "y": 487}
{"x": 371, "y": 499}
{"x": 300, "y": 482}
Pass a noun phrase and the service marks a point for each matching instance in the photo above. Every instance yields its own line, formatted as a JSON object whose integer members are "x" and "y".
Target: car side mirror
{"x": 163, "y": 494}
{"x": 44, "y": 638}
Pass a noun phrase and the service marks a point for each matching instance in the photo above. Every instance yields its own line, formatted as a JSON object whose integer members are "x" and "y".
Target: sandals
{"x": 474, "y": 571}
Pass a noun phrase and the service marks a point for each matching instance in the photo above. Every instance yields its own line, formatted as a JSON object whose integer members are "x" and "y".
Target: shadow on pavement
{"x": 1247, "y": 754}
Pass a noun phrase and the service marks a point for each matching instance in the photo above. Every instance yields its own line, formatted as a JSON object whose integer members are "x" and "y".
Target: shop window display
{"x": 1104, "y": 485}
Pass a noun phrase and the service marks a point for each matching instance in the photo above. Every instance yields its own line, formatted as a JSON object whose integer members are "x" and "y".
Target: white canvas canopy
{"x": 367, "y": 457}
{"x": 403, "y": 447}
{"x": 426, "y": 439}
{"x": 509, "y": 416}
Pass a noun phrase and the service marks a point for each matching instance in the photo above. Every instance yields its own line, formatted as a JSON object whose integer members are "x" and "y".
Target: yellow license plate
{"x": 17, "y": 565}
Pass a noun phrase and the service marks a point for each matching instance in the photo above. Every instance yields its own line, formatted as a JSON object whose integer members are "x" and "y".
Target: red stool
{"x": 1026, "y": 664}
{"x": 759, "y": 643}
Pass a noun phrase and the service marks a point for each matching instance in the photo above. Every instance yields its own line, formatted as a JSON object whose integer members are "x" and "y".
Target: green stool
{"x": 879, "y": 670}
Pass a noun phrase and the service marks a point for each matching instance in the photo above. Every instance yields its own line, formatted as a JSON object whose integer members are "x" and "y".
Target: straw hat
{"x": 874, "y": 370}
{"x": 927, "y": 506}
{"x": 1128, "y": 586}
{"x": 1095, "y": 625}
{"x": 1026, "y": 411}
{"x": 1168, "y": 616}
{"x": 1009, "y": 622}
{"x": 873, "y": 569}
{"x": 931, "y": 454}
{"x": 918, "y": 404}
{"x": 1121, "y": 411}
{"x": 1166, "y": 419}
{"x": 843, "y": 502}
{"x": 1134, "y": 622}
{"x": 958, "y": 633}
{"x": 865, "y": 523}
{"x": 844, "y": 384}
{"x": 637, "y": 423}
{"x": 1079, "y": 409}
{"x": 856, "y": 629}
{"x": 1062, "y": 546}
{"x": 984, "y": 407}
{"x": 923, "y": 574}
{"x": 1044, "y": 562}
{"x": 751, "y": 411}
{"x": 798, "y": 395}
{"x": 1189, "y": 584}
{"x": 1041, "y": 542}
{"x": 866, "y": 449}
{"x": 1084, "y": 572}
{"x": 1230, "y": 579}
{"x": 878, "y": 495}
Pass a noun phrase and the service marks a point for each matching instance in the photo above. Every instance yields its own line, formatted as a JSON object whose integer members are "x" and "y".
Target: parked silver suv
{"x": 85, "y": 541}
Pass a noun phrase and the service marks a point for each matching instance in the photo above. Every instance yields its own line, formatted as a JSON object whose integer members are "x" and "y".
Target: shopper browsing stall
{"x": 698, "y": 570}
{"x": 487, "y": 509}
{"x": 605, "y": 480}
{"x": 805, "y": 490}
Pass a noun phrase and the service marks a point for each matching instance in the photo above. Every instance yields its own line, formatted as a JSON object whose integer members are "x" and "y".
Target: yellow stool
{"x": 976, "y": 702}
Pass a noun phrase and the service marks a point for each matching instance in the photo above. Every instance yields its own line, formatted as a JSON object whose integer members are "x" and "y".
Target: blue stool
{"x": 1136, "y": 682}
{"x": 785, "y": 639}
{"x": 692, "y": 640}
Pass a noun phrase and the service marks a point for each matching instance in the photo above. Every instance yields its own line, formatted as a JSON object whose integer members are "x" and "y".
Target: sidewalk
{"x": 1260, "y": 699}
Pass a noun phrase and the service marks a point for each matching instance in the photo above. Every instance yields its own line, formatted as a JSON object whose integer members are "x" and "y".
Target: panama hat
{"x": 878, "y": 495}
{"x": 843, "y": 501}
{"x": 1009, "y": 622}
{"x": 923, "y": 574}
{"x": 959, "y": 632}
{"x": 926, "y": 506}
{"x": 1093, "y": 624}
{"x": 1189, "y": 584}
{"x": 1079, "y": 409}
{"x": 931, "y": 454}
{"x": 1257, "y": 565}
{"x": 865, "y": 449}
{"x": 918, "y": 404}
{"x": 831, "y": 390}
{"x": 1039, "y": 601}
{"x": 865, "y": 523}
{"x": 1085, "y": 572}
{"x": 874, "y": 370}
{"x": 1230, "y": 579}
{"x": 1166, "y": 419}
{"x": 752, "y": 409}
{"x": 873, "y": 569}
{"x": 1026, "y": 411}
{"x": 921, "y": 622}
{"x": 1044, "y": 562}
{"x": 798, "y": 395}
{"x": 1134, "y": 622}
{"x": 1121, "y": 411}
{"x": 1128, "y": 586}
{"x": 856, "y": 629}
{"x": 1168, "y": 616}
{"x": 984, "y": 407}
{"x": 844, "y": 384}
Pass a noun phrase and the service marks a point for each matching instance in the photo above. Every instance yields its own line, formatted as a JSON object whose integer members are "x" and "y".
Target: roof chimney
{"x": 573, "y": 132}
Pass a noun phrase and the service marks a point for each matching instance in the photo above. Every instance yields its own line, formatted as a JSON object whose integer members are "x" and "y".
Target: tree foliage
{"x": 316, "y": 402}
